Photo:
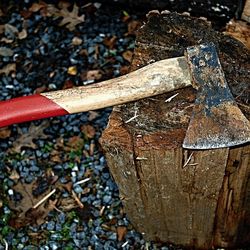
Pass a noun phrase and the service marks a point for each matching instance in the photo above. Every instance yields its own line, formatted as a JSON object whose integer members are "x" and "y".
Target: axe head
{"x": 216, "y": 121}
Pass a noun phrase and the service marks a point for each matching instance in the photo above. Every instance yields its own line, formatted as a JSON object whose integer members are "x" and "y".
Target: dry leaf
{"x": 5, "y": 40}
{"x": 133, "y": 26}
{"x": 94, "y": 75}
{"x": 72, "y": 70}
{"x": 7, "y": 69}
{"x": 23, "y": 34}
{"x": 110, "y": 41}
{"x": 121, "y": 232}
{"x": 75, "y": 143}
{"x": 50, "y": 10}
{"x": 14, "y": 175}
{"x": 67, "y": 204}
{"x": 127, "y": 55}
{"x": 37, "y": 6}
{"x": 88, "y": 131}
{"x": 71, "y": 19}
{"x": 93, "y": 115}
{"x": 11, "y": 30}
{"x": 240, "y": 30}
{"x": 26, "y": 140}
{"x": 64, "y": 4}
{"x": 4, "y": 132}
{"x": 26, "y": 214}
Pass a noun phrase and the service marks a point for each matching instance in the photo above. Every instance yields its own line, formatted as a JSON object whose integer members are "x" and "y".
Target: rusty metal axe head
{"x": 216, "y": 121}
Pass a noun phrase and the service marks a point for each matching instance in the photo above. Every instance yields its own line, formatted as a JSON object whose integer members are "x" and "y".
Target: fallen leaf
{"x": 23, "y": 34}
{"x": 67, "y": 204}
{"x": 71, "y": 19}
{"x": 64, "y": 4}
{"x": 5, "y": 132}
{"x": 121, "y": 232}
{"x": 7, "y": 69}
{"x": 94, "y": 75}
{"x": 11, "y": 30}
{"x": 133, "y": 26}
{"x": 6, "y": 40}
{"x": 72, "y": 70}
{"x": 14, "y": 175}
{"x": 37, "y": 6}
{"x": 49, "y": 10}
{"x": 26, "y": 139}
{"x": 39, "y": 214}
{"x": 110, "y": 41}
{"x": 75, "y": 143}
{"x": 24, "y": 207}
{"x": 127, "y": 55}
{"x": 88, "y": 131}
{"x": 93, "y": 115}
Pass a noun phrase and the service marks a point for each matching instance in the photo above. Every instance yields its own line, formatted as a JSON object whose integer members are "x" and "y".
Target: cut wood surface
{"x": 193, "y": 198}
{"x": 246, "y": 11}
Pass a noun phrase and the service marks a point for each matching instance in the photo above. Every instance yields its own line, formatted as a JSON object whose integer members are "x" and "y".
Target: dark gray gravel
{"x": 42, "y": 60}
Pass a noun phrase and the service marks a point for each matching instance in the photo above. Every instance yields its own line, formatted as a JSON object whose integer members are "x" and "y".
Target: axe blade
{"x": 216, "y": 121}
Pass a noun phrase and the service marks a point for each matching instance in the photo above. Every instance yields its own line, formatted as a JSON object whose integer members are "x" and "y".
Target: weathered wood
{"x": 197, "y": 199}
{"x": 246, "y": 12}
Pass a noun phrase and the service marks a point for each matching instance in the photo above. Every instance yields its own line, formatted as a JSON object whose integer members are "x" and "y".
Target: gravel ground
{"x": 41, "y": 50}
{"x": 61, "y": 157}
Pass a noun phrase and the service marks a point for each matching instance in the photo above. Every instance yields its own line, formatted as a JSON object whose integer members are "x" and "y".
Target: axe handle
{"x": 156, "y": 78}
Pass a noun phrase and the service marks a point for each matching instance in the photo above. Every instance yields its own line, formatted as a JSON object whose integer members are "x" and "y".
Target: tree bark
{"x": 192, "y": 198}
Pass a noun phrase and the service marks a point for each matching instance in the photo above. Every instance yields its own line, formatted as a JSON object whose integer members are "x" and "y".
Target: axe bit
{"x": 216, "y": 121}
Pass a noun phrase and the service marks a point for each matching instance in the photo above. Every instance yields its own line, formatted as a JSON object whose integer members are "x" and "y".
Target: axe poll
{"x": 216, "y": 121}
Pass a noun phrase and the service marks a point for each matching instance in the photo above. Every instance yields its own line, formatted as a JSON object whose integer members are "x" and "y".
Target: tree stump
{"x": 193, "y": 198}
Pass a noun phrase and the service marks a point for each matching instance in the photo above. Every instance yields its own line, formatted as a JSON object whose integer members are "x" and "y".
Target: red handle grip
{"x": 28, "y": 108}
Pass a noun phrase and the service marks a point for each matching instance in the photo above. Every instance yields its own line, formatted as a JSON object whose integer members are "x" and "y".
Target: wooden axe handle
{"x": 154, "y": 79}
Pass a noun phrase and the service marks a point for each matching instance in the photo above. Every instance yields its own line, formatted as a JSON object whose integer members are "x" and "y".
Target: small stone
{"x": 78, "y": 189}
{"x": 34, "y": 169}
{"x": 6, "y": 51}
{"x": 10, "y": 192}
{"x": 51, "y": 225}
{"x": 76, "y": 41}
{"x": 53, "y": 245}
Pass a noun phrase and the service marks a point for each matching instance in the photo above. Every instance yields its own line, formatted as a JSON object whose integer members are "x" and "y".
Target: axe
{"x": 216, "y": 120}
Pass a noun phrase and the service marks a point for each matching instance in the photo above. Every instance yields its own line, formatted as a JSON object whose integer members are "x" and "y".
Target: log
{"x": 246, "y": 12}
{"x": 193, "y": 198}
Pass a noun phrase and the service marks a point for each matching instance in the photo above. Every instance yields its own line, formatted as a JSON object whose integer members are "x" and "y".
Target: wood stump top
{"x": 166, "y": 36}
